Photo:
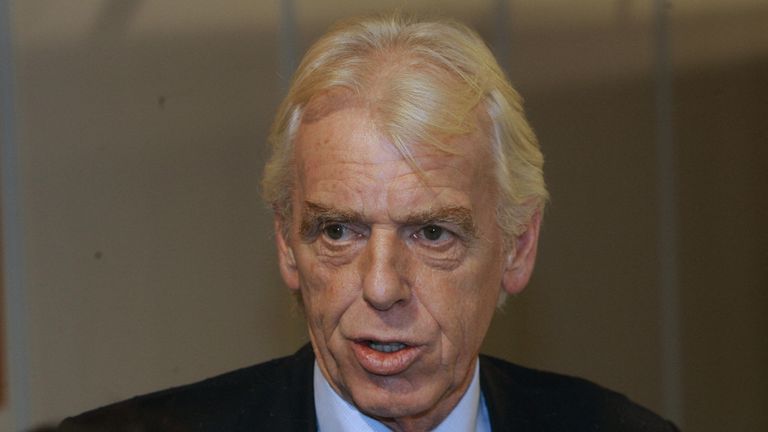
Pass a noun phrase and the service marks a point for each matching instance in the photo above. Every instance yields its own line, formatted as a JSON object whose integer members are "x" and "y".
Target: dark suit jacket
{"x": 278, "y": 396}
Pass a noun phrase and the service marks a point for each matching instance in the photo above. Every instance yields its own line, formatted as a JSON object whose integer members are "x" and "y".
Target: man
{"x": 407, "y": 188}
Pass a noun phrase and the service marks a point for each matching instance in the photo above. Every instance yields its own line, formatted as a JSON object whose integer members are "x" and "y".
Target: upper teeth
{"x": 387, "y": 347}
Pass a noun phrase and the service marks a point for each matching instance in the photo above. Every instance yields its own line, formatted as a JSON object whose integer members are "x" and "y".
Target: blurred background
{"x": 137, "y": 254}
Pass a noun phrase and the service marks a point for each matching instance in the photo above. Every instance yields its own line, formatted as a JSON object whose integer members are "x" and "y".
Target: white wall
{"x": 148, "y": 258}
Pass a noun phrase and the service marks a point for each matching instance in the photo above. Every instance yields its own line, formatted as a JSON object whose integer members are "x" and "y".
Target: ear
{"x": 522, "y": 257}
{"x": 287, "y": 262}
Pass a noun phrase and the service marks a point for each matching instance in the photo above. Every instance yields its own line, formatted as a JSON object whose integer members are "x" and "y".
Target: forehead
{"x": 343, "y": 160}
{"x": 345, "y": 130}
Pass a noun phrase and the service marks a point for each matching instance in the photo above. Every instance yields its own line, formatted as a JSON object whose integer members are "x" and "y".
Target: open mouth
{"x": 386, "y": 347}
{"x": 385, "y": 358}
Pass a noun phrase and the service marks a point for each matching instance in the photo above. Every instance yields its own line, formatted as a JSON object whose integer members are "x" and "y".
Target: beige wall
{"x": 148, "y": 258}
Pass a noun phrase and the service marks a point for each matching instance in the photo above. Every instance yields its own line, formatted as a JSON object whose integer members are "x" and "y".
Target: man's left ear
{"x": 522, "y": 257}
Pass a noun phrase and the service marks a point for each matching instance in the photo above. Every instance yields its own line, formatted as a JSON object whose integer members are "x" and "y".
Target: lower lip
{"x": 384, "y": 363}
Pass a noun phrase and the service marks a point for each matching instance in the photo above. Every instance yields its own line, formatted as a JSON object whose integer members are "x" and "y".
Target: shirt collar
{"x": 336, "y": 414}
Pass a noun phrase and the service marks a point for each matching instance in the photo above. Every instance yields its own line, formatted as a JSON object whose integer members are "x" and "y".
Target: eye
{"x": 432, "y": 232}
{"x": 434, "y": 235}
{"x": 335, "y": 231}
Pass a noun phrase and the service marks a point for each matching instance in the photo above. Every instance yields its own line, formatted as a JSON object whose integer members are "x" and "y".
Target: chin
{"x": 390, "y": 410}
{"x": 381, "y": 402}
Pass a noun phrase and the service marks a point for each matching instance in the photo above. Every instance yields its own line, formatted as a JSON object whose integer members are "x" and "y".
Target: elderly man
{"x": 407, "y": 189}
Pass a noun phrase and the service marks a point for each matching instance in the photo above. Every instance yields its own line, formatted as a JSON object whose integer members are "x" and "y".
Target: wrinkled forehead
{"x": 342, "y": 161}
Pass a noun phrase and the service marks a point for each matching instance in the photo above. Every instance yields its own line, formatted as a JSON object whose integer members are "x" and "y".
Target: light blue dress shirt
{"x": 334, "y": 414}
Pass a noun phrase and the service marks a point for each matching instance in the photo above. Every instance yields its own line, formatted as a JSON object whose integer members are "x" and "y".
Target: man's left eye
{"x": 433, "y": 233}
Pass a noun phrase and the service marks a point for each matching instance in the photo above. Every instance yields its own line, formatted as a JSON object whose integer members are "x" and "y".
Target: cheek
{"x": 326, "y": 293}
{"x": 462, "y": 304}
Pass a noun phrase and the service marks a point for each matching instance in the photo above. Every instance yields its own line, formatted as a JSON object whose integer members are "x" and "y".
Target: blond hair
{"x": 426, "y": 80}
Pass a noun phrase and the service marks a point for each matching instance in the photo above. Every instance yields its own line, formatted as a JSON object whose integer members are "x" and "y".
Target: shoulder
{"x": 529, "y": 399}
{"x": 277, "y": 394}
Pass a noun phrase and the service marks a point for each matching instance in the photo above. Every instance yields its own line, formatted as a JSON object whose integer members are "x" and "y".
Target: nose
{"x": 384, "y": 274}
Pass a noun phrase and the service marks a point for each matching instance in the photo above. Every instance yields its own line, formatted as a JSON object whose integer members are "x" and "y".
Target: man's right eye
{"x": 335, "y": 231}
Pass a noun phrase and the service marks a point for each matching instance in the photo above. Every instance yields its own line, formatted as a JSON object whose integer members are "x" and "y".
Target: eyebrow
{"x": 455, "y": 215}
{"x": 314, "y": 214}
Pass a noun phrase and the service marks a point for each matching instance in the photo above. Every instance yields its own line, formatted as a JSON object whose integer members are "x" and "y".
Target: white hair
{"x": 426, "y": 80}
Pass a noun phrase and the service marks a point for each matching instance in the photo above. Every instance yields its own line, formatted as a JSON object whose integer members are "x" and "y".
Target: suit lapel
{"x": 504, "y": 410}
{"x": 293, "y": 399}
